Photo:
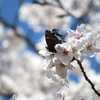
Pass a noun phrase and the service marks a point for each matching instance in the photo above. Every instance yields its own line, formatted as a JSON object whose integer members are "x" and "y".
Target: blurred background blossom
{"x": 22, "y": 29}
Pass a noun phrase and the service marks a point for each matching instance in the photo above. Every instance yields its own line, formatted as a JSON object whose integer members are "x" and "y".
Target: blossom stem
{"x": 63, "y": 98}
{"x": 86, "y": 77}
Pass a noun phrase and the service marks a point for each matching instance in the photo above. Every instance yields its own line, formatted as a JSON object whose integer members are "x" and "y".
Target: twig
{"x": 87, "y": 79}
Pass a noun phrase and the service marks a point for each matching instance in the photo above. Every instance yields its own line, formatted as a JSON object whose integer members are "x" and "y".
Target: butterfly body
{"x": 52, "y": 40}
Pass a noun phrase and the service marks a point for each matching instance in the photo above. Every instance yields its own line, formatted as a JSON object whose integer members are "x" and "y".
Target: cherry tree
{"x": 43, "y": 74}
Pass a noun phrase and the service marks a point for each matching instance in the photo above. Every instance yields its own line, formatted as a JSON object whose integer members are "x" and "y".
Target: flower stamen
{"x": 89, "y": 47}
{"x": 65, "y": 52}
{"x": 78, "y": 36}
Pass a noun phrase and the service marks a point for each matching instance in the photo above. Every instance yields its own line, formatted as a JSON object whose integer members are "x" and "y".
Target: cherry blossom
{"x": 89, "y": 45}
{"x": 64, "y": 53}
{"x": 79, "y": 43}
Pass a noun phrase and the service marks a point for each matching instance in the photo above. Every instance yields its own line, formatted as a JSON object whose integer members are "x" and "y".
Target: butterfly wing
{"x": 51, "y": 41}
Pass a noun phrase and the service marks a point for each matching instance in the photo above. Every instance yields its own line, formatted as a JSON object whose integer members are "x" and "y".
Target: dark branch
{"x": 87, "y": 79}
{"x": 13, "y": 27}
{"x": 67, "y": 12}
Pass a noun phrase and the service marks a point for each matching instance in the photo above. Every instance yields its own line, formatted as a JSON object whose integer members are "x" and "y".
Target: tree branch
{"x": 67, "y": 12}
{"x": 13, "y": 27}
{"x": 86, "y": 77}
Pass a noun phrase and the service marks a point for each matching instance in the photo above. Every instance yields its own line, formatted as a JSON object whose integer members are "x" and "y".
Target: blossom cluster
{"x": 36, "y": 21}
{"x": 20, "y": 69}
{"x": 77, "y": 44}
{"x": 30, "y": 14}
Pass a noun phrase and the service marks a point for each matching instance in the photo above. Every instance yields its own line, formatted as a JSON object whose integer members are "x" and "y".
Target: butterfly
{"x": 52, "y": 38}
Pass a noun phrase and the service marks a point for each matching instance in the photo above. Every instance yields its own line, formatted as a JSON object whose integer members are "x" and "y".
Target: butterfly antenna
{"x": 55, "y": 31}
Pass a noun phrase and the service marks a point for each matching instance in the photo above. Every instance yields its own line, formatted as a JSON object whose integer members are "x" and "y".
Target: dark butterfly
{"x": 52, "y": 38}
